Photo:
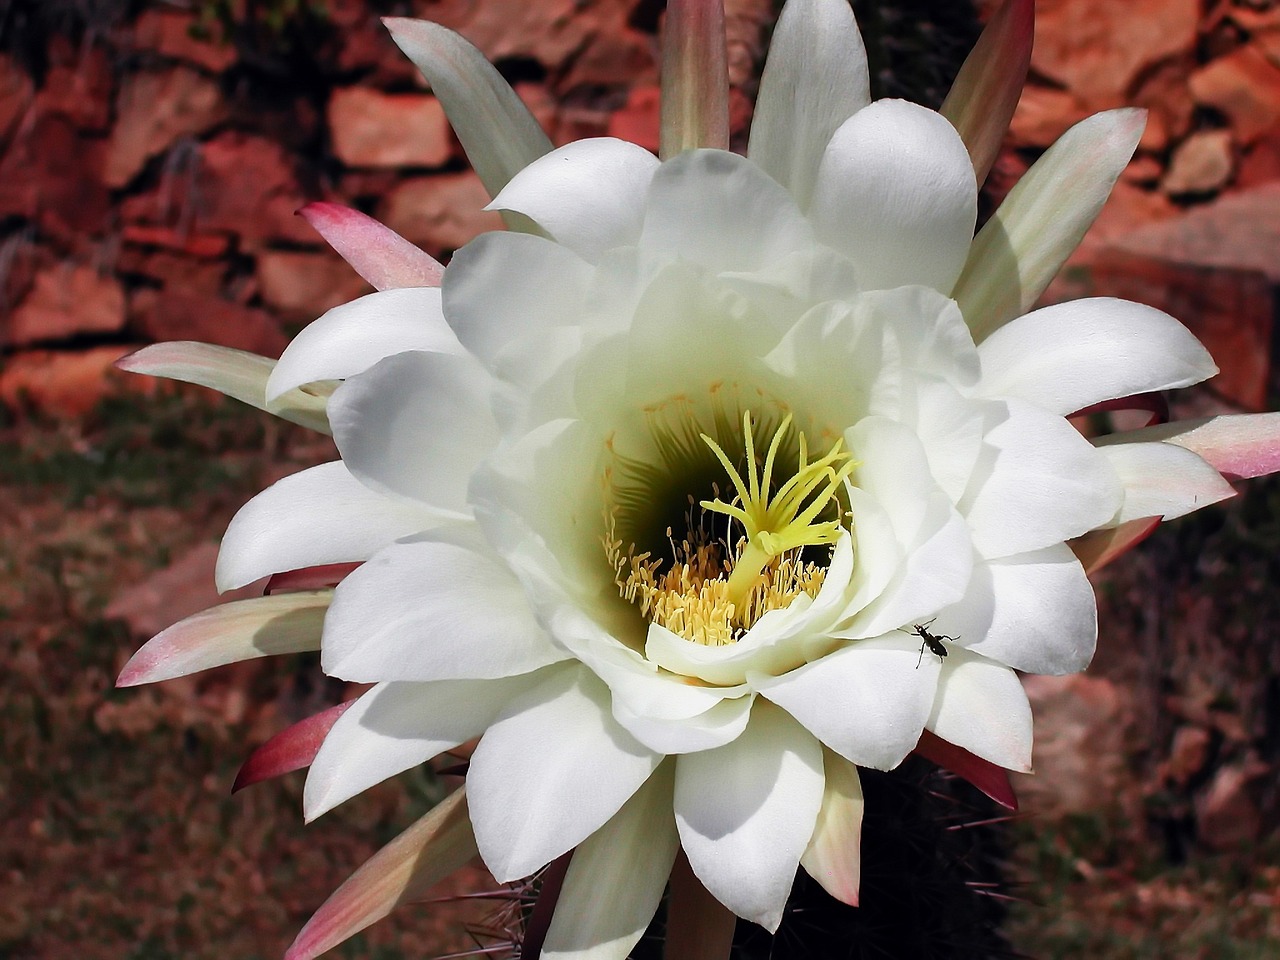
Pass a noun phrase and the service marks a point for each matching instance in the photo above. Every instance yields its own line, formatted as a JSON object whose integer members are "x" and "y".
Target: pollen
{"x": 711, "y": 592}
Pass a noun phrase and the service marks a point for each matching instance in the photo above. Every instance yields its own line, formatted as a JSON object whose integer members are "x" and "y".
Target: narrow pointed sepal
{"x": 695, "y": 78}
{"x": 834, "y": 856}
{"x": 235, "y": 373}
{"x": 1097, "y": 548}
{"x": 435, "y": 846}
{"x": 983, "y": 774}
{"x": 497, "y": 131}
{"x": 240, "y": 630}
{"x": 375, "y": 251}
{"x": 1238, "y": 446}
{"x": 986, "y": 91}
{"x": 1043, "y": 219}
{"x": 291, "y": 749}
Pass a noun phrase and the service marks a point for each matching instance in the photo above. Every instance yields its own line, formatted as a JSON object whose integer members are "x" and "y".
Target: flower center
{"x": 714, "y": 588}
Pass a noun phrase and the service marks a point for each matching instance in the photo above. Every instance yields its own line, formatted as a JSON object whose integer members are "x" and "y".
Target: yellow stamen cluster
{"x": 710, "y": 593}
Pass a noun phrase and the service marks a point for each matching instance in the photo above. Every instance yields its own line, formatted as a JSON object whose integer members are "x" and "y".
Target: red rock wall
{"x": 149, "y": 180}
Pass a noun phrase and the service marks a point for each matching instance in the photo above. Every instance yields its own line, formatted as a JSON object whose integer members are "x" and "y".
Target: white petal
{"x": 352, "y": 337}
{"x": 236, "y": 373}
{"x": 867, "y": 701}
{"x": 507, "y": 295}
{"x": 435, "y": 607}
{"x": 589, "y": 195}
{"x": 320, "y": 515}
{"x": 814, "y": 79}
{"x": 722, "y": 212}
{"x": 551, "y": 772}
{"x": 497, "y": 131}
{"x": 834, "y": 854}
{"x": 982, "y": 707}
{"x": 896, "y": 194}
{"x": 746, "y": 812}
{"x": 715, "y": 727}
{"x": 616, "y": 878}
{"x": 1163, "y": 480}
{"x": 1038, "y": 482}
{"x": 1042, "y": 220}
{"x": 229, "y": 633}
{"x": 415, "y": 426}
{"x": 1032, "y": 611}
{"x": 1069, "y": 356}
{"x": 396, "y": 726}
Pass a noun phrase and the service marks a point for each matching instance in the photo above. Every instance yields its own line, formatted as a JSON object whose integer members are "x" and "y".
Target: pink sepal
{"x": 1097, "y": 548}
{"x": 375, "y": 251}
{"x": 694, "y": 105}
{"x": 986, "y": 776}
{"x": 291, "y": 749}
{"x": 1155, "y": 405}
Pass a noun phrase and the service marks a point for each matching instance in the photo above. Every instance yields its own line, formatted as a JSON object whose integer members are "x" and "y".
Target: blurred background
{"x": 152, "y": 157}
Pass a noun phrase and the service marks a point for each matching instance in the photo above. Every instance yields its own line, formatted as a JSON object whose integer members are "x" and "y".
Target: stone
{"x": 246, "y": 186}
{"x": 154, "y": 111}
{"x": 1043, "y": 115}
{"x": 67, "y": 301}
{"x": 173, "y": 270}
{"x": 1228, "y": 814}
{"x": 540, "y": 102}
{"x": 301, "y": 286}
{"x": 1245, "y": 87}
{"x": 66, "y": 383}
{"x": 16, "y": 93}
{"x": 1201, "y": 164}
{"x": 547, "y": 31}
{"x": 172, "y": 314}
{"x": 1163, "y": 92}
{"x": 1188, "y": 756}
{"x": 1261, "y": 163}
{"x": 173, "y": 33}
{"x": 1143, "y": 169}
{"x": 51, "y": 174}
{"x": 1098, "y": 48}
{"x": 80, "y": 88}
{"x": 203, "y": 245}
{"x": 614, "y": 58}
{"x": 1129, "y": 208}
{"x": 374, "y": 129}
{"x": 1080, "y": 754}
{"x": 439, "y": 213}
{"x": 639, "y": 121}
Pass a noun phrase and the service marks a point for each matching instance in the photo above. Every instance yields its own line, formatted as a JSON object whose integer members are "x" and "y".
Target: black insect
{"x": 931, "y": 640}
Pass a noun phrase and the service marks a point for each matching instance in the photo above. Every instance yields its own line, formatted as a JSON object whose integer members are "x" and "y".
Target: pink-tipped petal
{"x": 1099, "y": 547}
{"x": 1154, "y": 405}
{"x": 309, "y": 578}
{"x": 983, "y": 774}
{"x": 241, "y": 630}
{"x": 986, "y": 91}
{"x": 235, "y": 373}
{"x": 291, "y": 749}
{"x": 695, "y": 78}
{"x": 438, "y": 844}
{"x": 375, "y": 251}
{"x": 834, "y": 856}
{"x": 1239, "y": 446}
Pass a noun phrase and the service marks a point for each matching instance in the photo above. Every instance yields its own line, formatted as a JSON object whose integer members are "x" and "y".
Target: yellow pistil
{"x": 710, "y": 592}
{"x": 789, "y": 519}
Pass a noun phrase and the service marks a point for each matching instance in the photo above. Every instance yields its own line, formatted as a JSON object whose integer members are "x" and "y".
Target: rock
{"x": 1261, "y": 163}
{"x": 170, "y": 34}
{"x": 1129, "y": 208}
{"x": 67, "y": 301}
{"x": 1188, "y": 756}
{"x": 1201, "y": 164}
{"x": 16, "y": 93}
{"x": 1163, "y": 92}
{"x": 614, "y": 58}
{"x": 1098, "y": 48}
{"x": 175, "y": 271}
{"x": 51, "y": 174}
{"x": 80, "y": 88}
{"x": 304, "y": 285}
{"x": 547, "y": 31}
{"x": 173, "y": 314}
{"x": 246, "y": 186}
{"x": 61, "y": 382}
{"x": 439, "y": 213}
{"x": 1244, "y": 86}
{"x": 154, "y": 111}
{"x": 639, "y": 121}
{"x": 203, "y": 245}
{"x": 1228, "y": 815}
{"x": 1080, "y": 753}
{"x": 1143, "y": 169}
{"x": 374, "y": 129}
{"x": 540, "y": 102}
{"x": 1043, "y": 115}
